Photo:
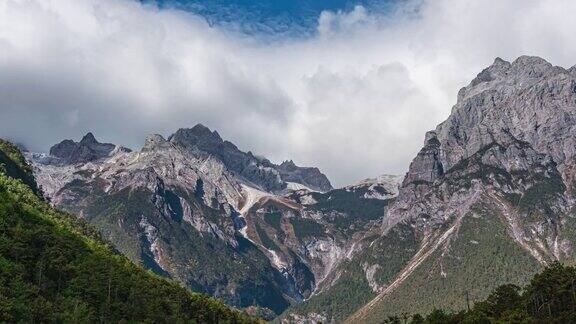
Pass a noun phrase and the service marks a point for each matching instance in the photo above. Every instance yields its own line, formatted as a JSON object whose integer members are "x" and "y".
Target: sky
{"x": 348, "y": 86}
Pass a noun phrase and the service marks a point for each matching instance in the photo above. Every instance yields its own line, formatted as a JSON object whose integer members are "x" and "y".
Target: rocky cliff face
{"x": 312, "y": 178}
{"x": 258, "y": 171}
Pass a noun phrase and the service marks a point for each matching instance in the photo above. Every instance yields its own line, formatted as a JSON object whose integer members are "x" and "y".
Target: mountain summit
{"x": 88, "y": 149}
{"x": 261, "y": 172}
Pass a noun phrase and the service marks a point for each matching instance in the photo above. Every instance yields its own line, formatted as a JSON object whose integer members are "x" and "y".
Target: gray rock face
{"x": 528, "y": 101}
{"x": 200, "y": 139}
{"x": 495, "y": 180}
{"x": 529, "y": 98}
{"x": 426, "y": 166}
{"x": 258, "y": 171}
{"x": 88, "y": 149}
{"x": 383, "y": 187}
{"x": 156, "y": 142}
{"x": 310, "y": 177}
{"x": 512, "y": 119}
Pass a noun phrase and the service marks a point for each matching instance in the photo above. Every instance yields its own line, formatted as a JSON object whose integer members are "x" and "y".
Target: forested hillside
{"x": 55, "y": 268}
{"x": 549, "y": 298}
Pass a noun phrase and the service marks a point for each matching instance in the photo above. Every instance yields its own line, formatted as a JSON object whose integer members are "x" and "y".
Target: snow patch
{"x": 276, "y": 261}
{"x": 308, "y": 200}
{"x": 151, "y": 234}
{"x": 251, "y": 197}
{"x": 383, "y": 187}
{"x": 297, "y": 186}
{"x": 244, "y": 232}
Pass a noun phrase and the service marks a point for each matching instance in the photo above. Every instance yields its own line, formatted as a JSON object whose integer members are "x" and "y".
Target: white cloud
{"x": 333, "y": 23}
{"x": 355, "y": 100}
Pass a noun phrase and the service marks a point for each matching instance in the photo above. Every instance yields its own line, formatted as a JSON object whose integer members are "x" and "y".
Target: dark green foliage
{"x": 352, "y": 290}
{"x": 54, "y": 268}
{"x": 552, "y": 294}
{"x": 265, "y": 239}
{"x": 274, "y": 219}
{"x": 204, "y": 263}
{"x": 549, "y": 298}
{"x": 502, "y": 299}
{"x": 351, "y": 206}
{"x": 393, "y": 250}
{"x": 545, "y": 189}
{"x": 343, "y": 298}
{"x": 13, "y": 164}
{"x": 304, "y": 228}
{"x": 13, "y": 153}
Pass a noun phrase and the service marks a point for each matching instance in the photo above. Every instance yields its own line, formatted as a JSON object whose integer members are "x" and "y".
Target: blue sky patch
{"x": 283, "y": 18}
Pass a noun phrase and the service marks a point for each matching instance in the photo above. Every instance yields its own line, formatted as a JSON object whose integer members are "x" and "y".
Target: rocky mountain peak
{"x": 529, "y": 98}
{"x": 427, "y": 165}
{"x": 496, "y": 70}
{"x": 88, "y": 149}
{"x": 502, "y": 162}
{"x": 382, "y": 187}
{"x": 155, "y": 142}
{"x": 430, "y": 138}
{"x": 260, "y": 171}
{"x": 88, "y": 139}
{"x": 199, "y": 135}
{"x": 531, "y": 63}
{"x": 526, "y": 109}
{"x": 201, "y": 129}
{"x": 311, "y": 177}
{"x": 288, "y": 164}
{"x": 522, "y": 73}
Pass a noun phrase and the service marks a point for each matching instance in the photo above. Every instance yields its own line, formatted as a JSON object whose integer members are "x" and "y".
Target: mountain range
{"x": 56, "y": 268}
{"x": 488, "y": 200}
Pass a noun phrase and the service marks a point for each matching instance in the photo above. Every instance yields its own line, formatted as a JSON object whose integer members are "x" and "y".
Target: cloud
{"x": 332, "y": 23}
{"x": 354, "y": 100}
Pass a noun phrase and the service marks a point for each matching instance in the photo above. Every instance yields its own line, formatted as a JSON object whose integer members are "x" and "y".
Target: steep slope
{"x": 548, "y": 298}
{"x": 14, "y": 165}
{"x": 308, "y": 234}
{"x": 55, "y": 268}
{"x": 348, "y": 282}
{"x": 489, "y": 199}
